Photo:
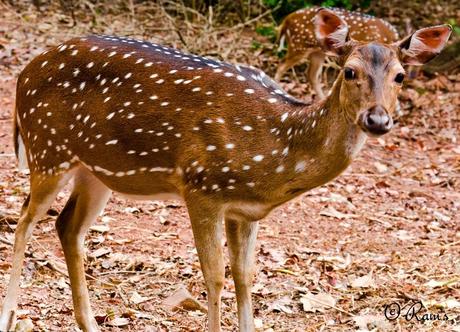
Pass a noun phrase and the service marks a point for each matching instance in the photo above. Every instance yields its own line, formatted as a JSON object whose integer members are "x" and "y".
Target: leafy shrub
{"x": 454, "y": 25}
{"x": 285, "y": 7}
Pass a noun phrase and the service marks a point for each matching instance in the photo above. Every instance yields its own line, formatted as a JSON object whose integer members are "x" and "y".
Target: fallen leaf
{"x": 381, "y": 168}
{"x": 132, "y": 210}
{"x": 372, "y": 323}
{"x": 24, "y": 325}
{"x": 403, "y": 235}
{"x": 137, "y": 299}
{"x": 182, "y": 299}
{"x": 100, "y": 252}
{"x": 106, "y": 219}
{"x": 337, "y": 261}
{"x": 365, "y": 281}
{"x": 444, "y": 304}
{"x": 258, "y": 323}
{"x": 331, "y": 212}
{"x": 337, "y": 198}
{"x": 100, "y": 228}
{"x": 118, "y": 321}
{"x": 441, "y": 217}
{"x": 282, "y": 305}
{"x": 434, "y": 283}
{"x": 317, "y": 302}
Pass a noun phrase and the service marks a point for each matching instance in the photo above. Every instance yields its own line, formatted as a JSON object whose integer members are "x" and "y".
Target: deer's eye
{"x": 349, "y": 74}
{"x": 399, "y": 78}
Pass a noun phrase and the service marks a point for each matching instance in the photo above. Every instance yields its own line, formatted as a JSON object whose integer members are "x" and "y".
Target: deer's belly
{"x": 247, "y": 211}
{"x": 153, "y": 197}
{"x": 143, "y": 185}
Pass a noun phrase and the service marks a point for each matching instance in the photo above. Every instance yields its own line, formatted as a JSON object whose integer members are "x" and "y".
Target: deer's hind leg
{"x": 292, "y": 58}
{"x": 89, "y": 197}
{"x": 43, "y": 191}
{"x": 314, "y": 72}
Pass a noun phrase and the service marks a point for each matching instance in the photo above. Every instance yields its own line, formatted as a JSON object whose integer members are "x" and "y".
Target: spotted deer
{"x": 148, "y": 121}
{"x": 298, "y": 29}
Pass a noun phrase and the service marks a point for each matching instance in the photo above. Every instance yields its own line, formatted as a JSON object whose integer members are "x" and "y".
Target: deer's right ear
{"x": 424, "y": 44}
{"x": 331, "y": 31}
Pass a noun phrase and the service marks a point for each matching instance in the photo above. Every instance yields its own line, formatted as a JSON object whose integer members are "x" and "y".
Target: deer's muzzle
{"x": 377, "y": 121}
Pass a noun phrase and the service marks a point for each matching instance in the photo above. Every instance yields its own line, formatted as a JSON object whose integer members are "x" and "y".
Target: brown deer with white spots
{"x": 117, "y": 114}
{"x": 298, "y": 29}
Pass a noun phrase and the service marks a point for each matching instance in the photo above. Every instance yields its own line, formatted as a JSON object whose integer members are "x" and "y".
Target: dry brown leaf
{"x": 136, "y": 298}
{"x": 337, "y": 261}
{"x": 182, "y": 299}
{"x": 331, "y": 212}
{"x": 106, "y": 219}
{"x": 381, "y": 168}
{"x": 365, "y": 281}
{"x": 118, "y": 321}
{"x": 258, "y": 323}
{"x": 317, "y": 302}
{"x": 434, "y": 283}
{"x": 282, "y": 305}
{"x": 403, "y": 235}
{"x": 100, "y": 252}
{"x": 372, "y": 323}
{"x": 24, "y": 325}
{"x": 132, "y": 210}
{"x": 442, "y": 304}
{"x": 100, "y": 228}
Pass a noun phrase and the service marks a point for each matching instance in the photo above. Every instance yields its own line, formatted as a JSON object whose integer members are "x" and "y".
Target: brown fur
{"x": 123, "y": 115}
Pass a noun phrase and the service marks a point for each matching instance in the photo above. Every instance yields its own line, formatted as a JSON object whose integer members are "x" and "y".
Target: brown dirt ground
{"x": 384, "y": 231}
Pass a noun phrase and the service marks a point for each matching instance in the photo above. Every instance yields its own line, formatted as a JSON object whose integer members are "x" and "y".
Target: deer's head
{"x": 372, "y": 73}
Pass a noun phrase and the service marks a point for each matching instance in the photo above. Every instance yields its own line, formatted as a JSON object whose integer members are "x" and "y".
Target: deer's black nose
{"x": 377, "y": 120}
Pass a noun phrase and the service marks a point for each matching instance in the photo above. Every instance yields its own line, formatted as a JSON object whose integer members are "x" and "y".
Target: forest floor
{"x": 386, "y": 231}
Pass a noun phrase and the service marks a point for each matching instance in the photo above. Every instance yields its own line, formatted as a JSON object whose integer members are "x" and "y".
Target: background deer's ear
{"x": 331, "y": 31}
{"x": 424, "y": 44}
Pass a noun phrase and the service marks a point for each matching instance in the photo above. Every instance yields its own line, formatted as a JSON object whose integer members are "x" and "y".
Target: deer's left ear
{"x": 424, "y": 44}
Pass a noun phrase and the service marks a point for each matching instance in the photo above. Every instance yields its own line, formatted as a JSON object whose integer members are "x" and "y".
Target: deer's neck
{"x": 322, "y": 141}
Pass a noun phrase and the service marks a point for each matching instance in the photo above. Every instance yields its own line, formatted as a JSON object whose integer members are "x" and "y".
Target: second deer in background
{"x": 299, "y": 31}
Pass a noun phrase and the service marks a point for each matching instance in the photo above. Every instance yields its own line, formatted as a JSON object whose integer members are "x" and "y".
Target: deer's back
{"x": 127, "y": 108}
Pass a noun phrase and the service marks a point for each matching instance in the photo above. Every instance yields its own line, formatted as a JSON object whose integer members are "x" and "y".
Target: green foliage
{"x": 256, "y": 45}
{"x": 281, "y": 53}
{"x": 268, "y": 31}
{"x": 285, "y": 7}
{"x": 454, "y": 25}
{"x": 271, "y": 3}
{"x": 337, "y": 3}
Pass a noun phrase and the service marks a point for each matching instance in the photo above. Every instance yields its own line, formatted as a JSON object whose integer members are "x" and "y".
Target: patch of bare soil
{"x": 386, "y": 231}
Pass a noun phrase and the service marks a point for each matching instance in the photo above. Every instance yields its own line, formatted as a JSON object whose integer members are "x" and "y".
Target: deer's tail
{"x": 19, "y": 147}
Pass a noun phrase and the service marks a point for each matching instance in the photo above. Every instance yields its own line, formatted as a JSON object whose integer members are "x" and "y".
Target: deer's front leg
{"x": 241, "y": 239}
{"x": 207, "y": 231}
